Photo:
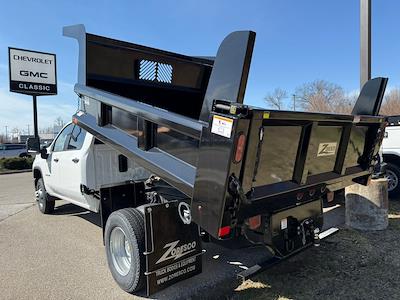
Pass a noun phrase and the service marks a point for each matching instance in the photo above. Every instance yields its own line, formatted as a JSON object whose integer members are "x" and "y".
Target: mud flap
{"x": 173, "y": 247}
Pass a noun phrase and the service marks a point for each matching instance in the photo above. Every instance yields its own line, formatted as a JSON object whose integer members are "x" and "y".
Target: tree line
{"x": 324, "y": 96}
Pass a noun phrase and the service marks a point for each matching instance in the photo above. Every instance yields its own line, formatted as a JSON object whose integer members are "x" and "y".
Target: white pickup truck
{"x": 391, "y": 155}
{"x": 74, "y": 167}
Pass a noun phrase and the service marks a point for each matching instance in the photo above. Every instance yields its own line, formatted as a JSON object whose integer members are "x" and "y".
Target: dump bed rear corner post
{"x": 230, "y": 70}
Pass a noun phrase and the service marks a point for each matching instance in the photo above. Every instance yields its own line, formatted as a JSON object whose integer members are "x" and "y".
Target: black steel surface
{"x": 163, "y": 79}
{"x": 285, "y": 152}
{"x": 230, "y": 71}
{"x": 215, "y": 165}
{"x": 173, "y": 249}
{"x": 370, "y": 99}
{"x": 119, "y": 196}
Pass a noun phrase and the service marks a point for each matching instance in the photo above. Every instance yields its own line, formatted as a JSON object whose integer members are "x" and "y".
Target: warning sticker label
{"x": 222, "y": 126}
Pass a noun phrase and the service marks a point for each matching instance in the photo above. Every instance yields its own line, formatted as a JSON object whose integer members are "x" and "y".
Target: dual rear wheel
{"x": 125, "y": 245}
{"x": 124, "y": 237}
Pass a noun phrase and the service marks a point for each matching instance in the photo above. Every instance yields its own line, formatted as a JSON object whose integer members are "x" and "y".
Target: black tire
{"x": 131, "y": 222}
{"x": 393, "y": 175}
{"x": 45, "y": 201}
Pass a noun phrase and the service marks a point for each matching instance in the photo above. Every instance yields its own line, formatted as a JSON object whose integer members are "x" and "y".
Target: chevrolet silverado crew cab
{"x": 75, "y": 165}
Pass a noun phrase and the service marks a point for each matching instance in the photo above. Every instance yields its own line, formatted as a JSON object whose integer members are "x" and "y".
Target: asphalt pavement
{"x": 61, "y": 256}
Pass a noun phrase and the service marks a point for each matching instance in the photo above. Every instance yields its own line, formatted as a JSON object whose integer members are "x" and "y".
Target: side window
{"x": 60, "y": 141}
{"x": 15, "y": 147}
{"x": 77, "y": 138}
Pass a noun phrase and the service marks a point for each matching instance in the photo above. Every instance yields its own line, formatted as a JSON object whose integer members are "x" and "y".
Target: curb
{"x": 15, "y": 171}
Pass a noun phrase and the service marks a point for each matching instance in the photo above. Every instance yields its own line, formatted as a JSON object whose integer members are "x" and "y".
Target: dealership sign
{"x": 32, "y": 73}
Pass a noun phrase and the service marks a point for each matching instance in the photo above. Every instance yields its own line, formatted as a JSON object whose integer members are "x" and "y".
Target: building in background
{"x": 45, "y": 137}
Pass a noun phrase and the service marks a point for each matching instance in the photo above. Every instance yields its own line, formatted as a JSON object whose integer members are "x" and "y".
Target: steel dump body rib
{"x": 186, "y": 126}
{"x": 155, "y": 160}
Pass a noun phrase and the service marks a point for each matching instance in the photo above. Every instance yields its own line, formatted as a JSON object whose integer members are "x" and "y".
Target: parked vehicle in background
{"x": 391, "y": 155}
{"x": 13, "y": 150}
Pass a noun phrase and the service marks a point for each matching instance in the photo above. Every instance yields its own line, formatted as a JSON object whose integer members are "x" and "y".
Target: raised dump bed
{"x": 226, "y": 170}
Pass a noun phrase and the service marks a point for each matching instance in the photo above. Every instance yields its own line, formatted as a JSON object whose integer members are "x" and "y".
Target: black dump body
{"x": 182, "y": 118}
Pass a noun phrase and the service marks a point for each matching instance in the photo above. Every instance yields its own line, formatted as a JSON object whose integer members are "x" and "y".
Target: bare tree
{"x": 48, "y": 129}
{"x": 275, "y": 99}
{"x": 391, "y": 103}
{"x": 323, "y": 96}
{"x": 59, "y": 122}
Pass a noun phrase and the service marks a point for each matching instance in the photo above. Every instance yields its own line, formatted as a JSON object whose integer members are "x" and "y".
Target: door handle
{"x": 75, "y": 160}
{"x": 56, "y": 159}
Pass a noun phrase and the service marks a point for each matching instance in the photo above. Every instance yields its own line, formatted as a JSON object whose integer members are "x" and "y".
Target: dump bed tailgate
{"x": 287, "y": 150}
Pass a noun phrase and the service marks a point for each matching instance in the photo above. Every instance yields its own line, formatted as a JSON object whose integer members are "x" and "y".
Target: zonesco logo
{"x": 326, "y": 149}
{"x": 174, "y": 252}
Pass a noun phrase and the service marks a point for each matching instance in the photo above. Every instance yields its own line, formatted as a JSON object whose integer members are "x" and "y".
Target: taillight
{"x": 223, "y": 231}
{"x": 255, "y": 222}
{"x": 240, "y": 145}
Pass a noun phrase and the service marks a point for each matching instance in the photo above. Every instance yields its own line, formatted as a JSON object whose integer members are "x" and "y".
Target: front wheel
{"x": 125, "y": 244}
{"x": 393, "y": 176}
{"x": 44, "y": 200}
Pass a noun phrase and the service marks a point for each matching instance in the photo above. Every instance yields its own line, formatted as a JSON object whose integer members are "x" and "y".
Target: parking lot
{"x": 61, "y": 256}
{"x": 58, "y": 256}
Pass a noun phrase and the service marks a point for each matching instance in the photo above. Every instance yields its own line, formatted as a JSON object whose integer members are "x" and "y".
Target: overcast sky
{"x": 297, "y": 42}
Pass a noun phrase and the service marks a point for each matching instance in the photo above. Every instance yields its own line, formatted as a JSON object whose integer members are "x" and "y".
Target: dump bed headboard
{"x": 163, "y": 79}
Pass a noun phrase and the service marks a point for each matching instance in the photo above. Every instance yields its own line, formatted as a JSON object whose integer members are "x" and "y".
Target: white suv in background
{"x": 13, "y": 150}
{"x": 391, "y": 155}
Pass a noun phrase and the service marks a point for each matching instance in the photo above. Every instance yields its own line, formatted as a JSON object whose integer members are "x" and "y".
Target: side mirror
{"x": 43, "y": 153}
{"x": 33, "y": 145}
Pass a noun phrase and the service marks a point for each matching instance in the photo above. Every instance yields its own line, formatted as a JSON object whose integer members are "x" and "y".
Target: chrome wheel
{"x": 393, "y": 180}
{"x": 40, "y": 197}
{"x": 120, "y": 251}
